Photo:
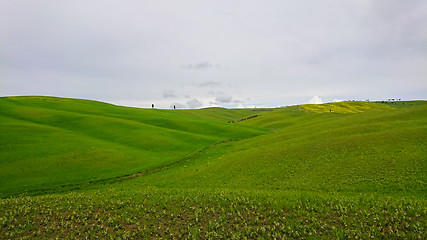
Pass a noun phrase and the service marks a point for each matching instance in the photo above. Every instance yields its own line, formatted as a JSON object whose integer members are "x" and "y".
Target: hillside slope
{"x": 368, "y": 148}
{"x": 348, "y": 170}
{"x": 46, "y": 142}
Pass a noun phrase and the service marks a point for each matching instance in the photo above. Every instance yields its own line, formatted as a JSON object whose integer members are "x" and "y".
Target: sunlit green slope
{"x": 49, "y": 142}
{"x": 357, "y": 148}
{"x": 350, "y": 170}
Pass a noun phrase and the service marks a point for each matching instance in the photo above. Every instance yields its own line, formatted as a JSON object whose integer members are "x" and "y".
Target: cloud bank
{"x": 272, "y": 52}
{"x": 315, "y": 100}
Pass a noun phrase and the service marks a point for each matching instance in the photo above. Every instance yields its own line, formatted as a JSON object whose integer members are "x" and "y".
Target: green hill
{"x": 379, "y": 151}
{"x": 48, "y": 143}
{"x": 337, "y": 170}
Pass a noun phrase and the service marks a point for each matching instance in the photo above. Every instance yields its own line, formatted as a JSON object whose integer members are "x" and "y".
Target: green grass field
{"x": 73, "y": 168}
{"x": 49, "y": 143}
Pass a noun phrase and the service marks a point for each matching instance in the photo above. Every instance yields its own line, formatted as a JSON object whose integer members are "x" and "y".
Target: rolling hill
{"x": 367, "y": 148}
{"x": 337, "y": 170}
{"x": 56, "y": 142}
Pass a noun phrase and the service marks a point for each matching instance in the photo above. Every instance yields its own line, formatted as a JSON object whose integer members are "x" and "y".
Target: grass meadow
{"x": 77, "y": 169}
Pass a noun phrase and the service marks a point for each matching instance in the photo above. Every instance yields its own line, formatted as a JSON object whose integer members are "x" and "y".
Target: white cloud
{"x": 315, "y": 100}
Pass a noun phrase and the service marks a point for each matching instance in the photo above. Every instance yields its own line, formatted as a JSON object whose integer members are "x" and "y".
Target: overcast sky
{"x": 196, "y": 54}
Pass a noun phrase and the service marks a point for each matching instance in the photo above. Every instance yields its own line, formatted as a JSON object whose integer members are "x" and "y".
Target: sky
{"x": 222, "y": 53}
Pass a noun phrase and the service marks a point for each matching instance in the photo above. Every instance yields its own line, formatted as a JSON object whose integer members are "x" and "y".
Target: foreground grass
{"x": 178, "y": 214}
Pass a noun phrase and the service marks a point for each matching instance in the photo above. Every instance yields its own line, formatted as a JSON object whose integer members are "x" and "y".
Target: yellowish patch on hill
{"x": 344, "y": 107}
